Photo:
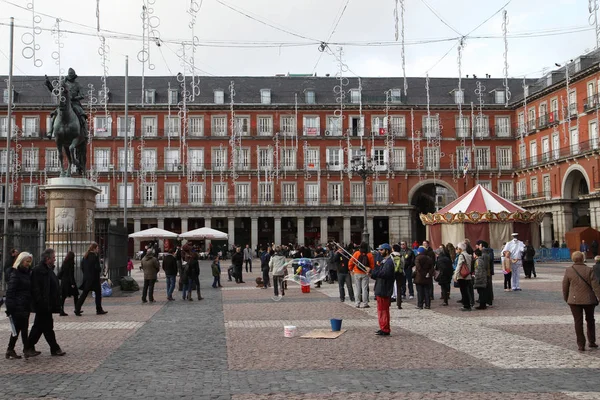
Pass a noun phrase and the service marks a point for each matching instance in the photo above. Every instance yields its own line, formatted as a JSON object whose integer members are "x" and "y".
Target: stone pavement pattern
{"x": 231, "y": 346}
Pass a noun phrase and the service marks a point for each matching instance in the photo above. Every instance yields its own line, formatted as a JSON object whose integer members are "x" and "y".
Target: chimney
{"x": 474, "y": 76}
{"x": 467, "y": 76}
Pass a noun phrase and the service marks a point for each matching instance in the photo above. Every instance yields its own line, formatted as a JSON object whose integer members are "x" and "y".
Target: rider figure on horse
{"x": 76, "y": 95}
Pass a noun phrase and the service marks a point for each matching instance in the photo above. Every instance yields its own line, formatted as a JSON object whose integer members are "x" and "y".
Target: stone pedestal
{"x": 70, "y": 205}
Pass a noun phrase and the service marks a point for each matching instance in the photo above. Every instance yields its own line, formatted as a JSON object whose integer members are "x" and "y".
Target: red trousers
{"x": 383, "y": 312}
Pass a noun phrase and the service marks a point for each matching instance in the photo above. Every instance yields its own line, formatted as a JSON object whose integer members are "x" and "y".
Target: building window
{"x": 31, "y": 126}
{"x": 462, "y": 127}
{"x": 219, "y": 197}
{"x": 102, "y": 160}
{"x": 500, "y": 96}
{"x": 311, "y": 159}
{"x": 521, "y": 189}
{"x": 3, "y": 161}
{"x": 533, "y": 152}
{"x": 572, "y": 102}
{"x": 102, "y": 126}
{"x": 505, "y": 189}
{"x": 503, "y": 126}
{"x": 173, "y": 160}
{"x": 289, "y": 193}
{"x": 265, "y": 159}
{"x": 504, "y": 158}
{"x": 482, "y": 157}
{"x": 149, "y": 126}
{"x": 149, "y": 194}
{"x": 459, "y": 96}
{"x": 380, "y": 192}
{"x": 242, "y": 158}
{"x": 173, "y": 96}
{"x": 311, "y": 126}
{"x": 148, "y": 160}
{"x": 288, "y": 159}
{"x": 265, "y": 193}
{"x": 30, "y": 160}
{"x": 482, "y": 126}
{"x": 534, "y": 187}
{"x": 121, "y": 127}
{"x": 357, "y": 193}
{"x": 380, "y": 159}
{"x": 399, "y": 159}
{"x": 288, "y": 125}
{"x": 432, "y": 158}
{"x": 52, "y": 163}
{"x": 335, "y": 193}
{"x": 379, "y": 126}
{"x": 265, "y": 96}
{"x": 196, "y": 194}
{"x": 521, "y": 127}
{"x": 149, "y": 96}
{"x": 242, "y": 194}
{"x": 129, "y": 160}
{"x": 396, "y": 95}
{"x": 196, "y": 160}
{"x": 219, "y": 126}
{"x": 219, "y": 96}
{"x": 354, "y": 96}
{"x": 265, "y": 126}
{"x": 335, "y": 159}
{"x": 312, "y": 194}
{"x": 242, "y": 126}
{"x": 398, "y": 125}
{"x": 531, "y": 120}
{"x": 4, "y": 127}
{"x": 310, "y": 97}
{"x": 593, "y": 132}
{"x": 463, "y": 158}
{"x": 29, "y": 196}
{"x": 103, "y": 198}
{"x": 523, "y": 155}
{"x": 172, "y": 194}
{"x": 196, "y": 126}
{"x": 334, "y": 126}
{"x": 121, "y": 195}
{"x": 546, "y": 186}
{"x": 486, "y": 184}
{"x": 219, "y": 159}
{"x": 431, "y": 126}
{"x": 172, "y": 126}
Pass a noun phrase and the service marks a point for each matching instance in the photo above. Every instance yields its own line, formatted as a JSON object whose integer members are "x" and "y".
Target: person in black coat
{"x": 194, "y": 276}
{"x": 90, "y": 265}
{"x": 45, "y": 292}
{"x": 68, "y": 286}
{"x": 237, "y": 259}
{"x": 443, "y": 265}
{"x": 18, "y": 305}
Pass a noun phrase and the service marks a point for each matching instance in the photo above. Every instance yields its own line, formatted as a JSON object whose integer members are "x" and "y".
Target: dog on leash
{"x": 259, "y": 282}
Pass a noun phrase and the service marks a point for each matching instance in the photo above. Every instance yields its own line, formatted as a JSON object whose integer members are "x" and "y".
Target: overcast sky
{"x": 218, "y": 26}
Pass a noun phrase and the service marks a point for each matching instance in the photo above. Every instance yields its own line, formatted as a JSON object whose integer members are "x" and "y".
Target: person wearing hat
{"x": 516, "y": 249}
{"x": 423, "y": 278}
{"x": 384, "y": 288}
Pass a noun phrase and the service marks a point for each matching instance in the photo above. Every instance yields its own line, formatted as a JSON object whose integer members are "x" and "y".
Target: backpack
{"x": 364, "y": 260}
{"x": 398, "y": 268}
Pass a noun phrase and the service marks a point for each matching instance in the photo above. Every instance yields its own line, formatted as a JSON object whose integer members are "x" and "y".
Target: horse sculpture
{"x": 69, "y": 136}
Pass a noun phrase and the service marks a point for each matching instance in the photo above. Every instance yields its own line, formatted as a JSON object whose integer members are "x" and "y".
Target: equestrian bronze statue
{"x": 69, "y": 124}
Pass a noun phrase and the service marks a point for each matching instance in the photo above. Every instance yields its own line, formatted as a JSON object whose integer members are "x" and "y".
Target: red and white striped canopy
{"x": 481, "y": 200}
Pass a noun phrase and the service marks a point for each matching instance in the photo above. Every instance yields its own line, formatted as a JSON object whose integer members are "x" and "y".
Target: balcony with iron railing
{"x": 591, "y": 103}
{"x": 535, "y": 196}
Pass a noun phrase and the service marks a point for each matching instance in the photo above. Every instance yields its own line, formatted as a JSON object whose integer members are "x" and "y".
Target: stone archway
{"x": 576, "y": 184}
{"x": 428, "y": 196}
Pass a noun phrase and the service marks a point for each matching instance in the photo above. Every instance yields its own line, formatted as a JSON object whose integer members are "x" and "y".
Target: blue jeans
{"x": 171, "y": 285}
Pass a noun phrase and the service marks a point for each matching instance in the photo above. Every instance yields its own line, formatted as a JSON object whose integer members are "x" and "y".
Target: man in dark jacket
{"x": 384, "y": 288}
{"x": 431, "y": 254}
{"x": 409, "y": 262}
{"x": 340, "y": 263}
{"x": 237, "y": 259}
{"x": 488, "y": 254}
{"x": 170, "y": 268}
{"x": 265, "y": 257}
{"x": 443, "y": 265}
{"x": 46, "y": 301}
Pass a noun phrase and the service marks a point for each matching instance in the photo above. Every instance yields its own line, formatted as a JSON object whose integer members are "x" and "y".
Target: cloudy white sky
{"x": 541, "y": 33}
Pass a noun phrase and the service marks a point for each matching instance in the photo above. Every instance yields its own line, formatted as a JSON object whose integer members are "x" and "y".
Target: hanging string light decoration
{"x": 150, "y": 24}
{"x": 307, "y": 174}
{"x": 195, "y": 82}
{"x": 30, "y": 45}
{"x": 339, "y": 91}
{"x": 235, "y": 141}
{"x": 276, "y": 156}
{"x": 593, "y": 19}
{"x": 389, "y": 140}
{"x": 480, "y": 126}
{"x": 461, "y": 121}
{"x": 92, "y": 109}
{"x": 56, "y": 55}
{"x": 507, "y": 93}
{"x": 182, "y": 113}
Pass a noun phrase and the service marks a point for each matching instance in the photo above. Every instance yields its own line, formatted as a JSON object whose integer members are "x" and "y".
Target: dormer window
{"x": 500, "y": 96}
{"x": 5, "y": 96}
{"x": 149, "y": 96}
{"x": 459, "y": 96}
{"x": 173, "y": 96}
{"x": 396, "y": 95}
{"x": 265, "y": 96}
{"x": 219, "y": 96}
{"x": 354, "y": 96}
{"x": 310, "y": 97}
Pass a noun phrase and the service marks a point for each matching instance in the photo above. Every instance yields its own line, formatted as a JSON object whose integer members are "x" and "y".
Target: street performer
{"x": 516, "y": 248}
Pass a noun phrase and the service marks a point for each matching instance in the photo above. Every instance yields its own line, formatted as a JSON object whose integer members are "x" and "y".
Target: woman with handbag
{"x": 462, "y": 275}
{"x": 581, "y": 293}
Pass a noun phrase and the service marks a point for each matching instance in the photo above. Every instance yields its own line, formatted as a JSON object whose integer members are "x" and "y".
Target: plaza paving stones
{"x": 231, "y": 346}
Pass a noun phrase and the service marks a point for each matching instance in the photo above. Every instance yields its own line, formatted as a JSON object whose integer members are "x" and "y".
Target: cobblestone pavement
{"x": 231, "y": 346}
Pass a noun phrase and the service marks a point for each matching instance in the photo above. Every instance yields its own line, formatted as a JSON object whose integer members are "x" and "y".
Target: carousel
{"x": 481, "y": 214}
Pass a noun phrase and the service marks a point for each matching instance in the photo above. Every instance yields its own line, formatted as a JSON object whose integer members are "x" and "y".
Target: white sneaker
{"x": 411, "y": 297}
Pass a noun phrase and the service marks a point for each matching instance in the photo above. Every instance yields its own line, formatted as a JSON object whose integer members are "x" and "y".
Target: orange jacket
{"x": 353, "y": 265}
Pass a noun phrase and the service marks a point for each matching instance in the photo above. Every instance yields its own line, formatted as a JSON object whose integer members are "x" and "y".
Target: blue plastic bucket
{"x": 336, "y": 324}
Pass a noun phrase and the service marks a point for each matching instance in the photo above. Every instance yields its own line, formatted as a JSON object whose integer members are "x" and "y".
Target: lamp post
{"x": 363, "y": 167}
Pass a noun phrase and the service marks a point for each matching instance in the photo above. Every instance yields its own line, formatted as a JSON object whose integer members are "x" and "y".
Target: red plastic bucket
{"x": 305, "y": 288}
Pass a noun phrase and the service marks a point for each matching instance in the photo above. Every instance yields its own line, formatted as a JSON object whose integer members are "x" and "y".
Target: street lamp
{"x": 363, "y": 167}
